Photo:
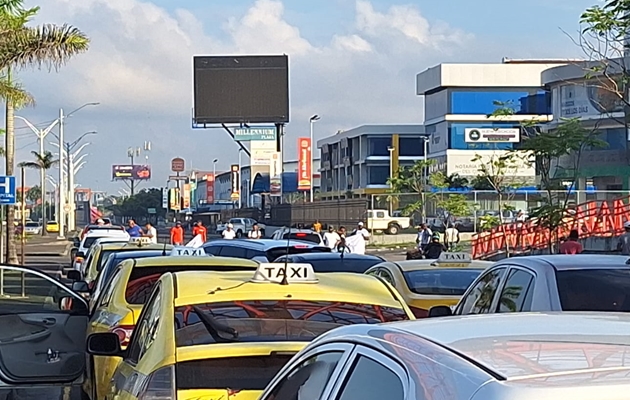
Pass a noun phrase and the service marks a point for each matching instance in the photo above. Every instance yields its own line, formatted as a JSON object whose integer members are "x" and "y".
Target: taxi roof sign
{"x": 182, "y": 251}
{"x": 453, "y": 259}
{"x": 140, "y": 240}
{"x": 285, "y": 273}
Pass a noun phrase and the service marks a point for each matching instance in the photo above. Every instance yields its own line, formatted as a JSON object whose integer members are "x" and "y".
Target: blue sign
{"x": 7, "y": 190}
{"x": 251, "y": 134}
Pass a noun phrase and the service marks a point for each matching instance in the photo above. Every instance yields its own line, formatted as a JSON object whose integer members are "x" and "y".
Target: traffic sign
{"x": 7, "y": 190}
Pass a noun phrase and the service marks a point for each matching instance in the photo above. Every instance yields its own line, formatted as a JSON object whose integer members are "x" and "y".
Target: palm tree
{"x": 43, "y": 162}
{"x": 24, "y": 46}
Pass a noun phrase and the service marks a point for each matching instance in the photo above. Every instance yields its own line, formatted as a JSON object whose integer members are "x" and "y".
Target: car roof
{"x": 126, "y": 246}
{"x": 415, "y": 265}
{"x": 262, "y": 244}
{"x": 519, "y": 345}
{"x": 195, "y": 261}
{"x": 335, "y": 256}
{"x": 101, "y": 227}
{"x": 125, "y": 255}
{"x": 564, "y": 262}
{"x": 106, "y": 233}
{"x": 337, "y": 286}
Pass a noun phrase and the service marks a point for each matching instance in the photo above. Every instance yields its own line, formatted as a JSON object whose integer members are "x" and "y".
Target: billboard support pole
{"x": 241, "y": 145}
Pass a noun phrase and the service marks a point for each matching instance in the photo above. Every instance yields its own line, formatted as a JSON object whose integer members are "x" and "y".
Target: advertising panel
{"x": 580, "y": 100}
{"x": 210, "y": 188}
{"x": 178, "y": 164}
{"x": 186, "y": 196}
{"x": 165, "y": 198}
{"x": 134, "y": 172}
{"x": 304, "y": 164}
{"x": 275, "y": 175}
{"x": 234, "y": 180}
{"x": 492, "y": 135}
{"x": 251, "y": 134}
{"x": 174, "y": 199}
{"x": 262, "y": 151}
{"x": 461, "y": 162}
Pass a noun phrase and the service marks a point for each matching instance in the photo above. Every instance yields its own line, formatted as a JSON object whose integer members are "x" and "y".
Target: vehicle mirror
{"x": 76, "y": 242}
{"x": 104, "y": 344}
{"x": 74, "y": 275}
{"x": 440, "y": 311}
{"x": 80, "y": 286}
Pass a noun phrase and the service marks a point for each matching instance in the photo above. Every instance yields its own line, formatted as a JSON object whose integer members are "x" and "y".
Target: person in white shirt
{"x": 451, "y": 236}
{"x": 229, "y": 233}
{"x": 255, "y": 233}
{"x": 151, "y": 233}
{"x": 331, "y": 238}
{"x": 358, "y": 246}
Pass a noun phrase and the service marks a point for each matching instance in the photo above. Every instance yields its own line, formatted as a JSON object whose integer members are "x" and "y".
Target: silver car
{"x": 33, "y": 228}
{"x": 516, "y": 356}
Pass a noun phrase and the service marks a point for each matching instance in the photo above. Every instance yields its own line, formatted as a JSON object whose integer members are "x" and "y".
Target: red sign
{"x": 178, "y": 164}
{"x": 210, "y": 189}
{"x": 305, "y": 165}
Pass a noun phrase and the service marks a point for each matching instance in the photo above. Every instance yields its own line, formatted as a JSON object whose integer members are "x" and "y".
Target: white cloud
{"x": 139, "y": 68}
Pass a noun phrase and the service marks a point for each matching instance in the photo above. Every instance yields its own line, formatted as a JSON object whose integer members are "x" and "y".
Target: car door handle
{"x": 48, "y": 321}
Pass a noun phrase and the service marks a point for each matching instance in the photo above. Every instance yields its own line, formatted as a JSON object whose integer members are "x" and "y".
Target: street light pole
{"x": 240, "y": 187}
{"x": 214, "y": 178}
{"x": 313, "y": 119}
{"x": 391, "y": 175}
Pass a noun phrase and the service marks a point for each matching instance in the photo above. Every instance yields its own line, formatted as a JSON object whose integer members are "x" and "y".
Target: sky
{"x": 353, "y": 62}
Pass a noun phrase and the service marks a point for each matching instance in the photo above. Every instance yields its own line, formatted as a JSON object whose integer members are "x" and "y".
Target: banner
{"x": 196, "y": 242}
{"x": 261, "y": 152}
{"x": 304, "y": 164}
{"x": 235, "y": 182}
{"x": 174, "y": 198}
{"x": 210, "y": 188}
{"x": 165, "y": 198}
{"x": 186, "y": 202}
{"x": 275, "y": 175}
{"x": 133, "y": 172}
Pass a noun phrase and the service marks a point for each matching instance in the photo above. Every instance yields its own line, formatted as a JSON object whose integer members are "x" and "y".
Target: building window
{"x": 533, "y": 101}
{"x": 378, "y": 146}
{"x": 378, "y": 175}
{"x": 615, "y": 137}
{"x": 411, "y": 147}
{"x": 457, "y": 136}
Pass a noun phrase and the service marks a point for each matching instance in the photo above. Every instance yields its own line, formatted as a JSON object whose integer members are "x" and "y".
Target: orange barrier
{"x": 602, "y": 218}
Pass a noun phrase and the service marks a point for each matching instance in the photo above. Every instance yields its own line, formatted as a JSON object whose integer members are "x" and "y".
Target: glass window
{"x": 386, "y": 275}
{"x": 356, "y": 265}
{"x": 594, "y": 289}
{"x": 305, "y": 236}
{"x": 534, "y": 101}
{"x": 146, "y": 330}
{"x": 232, "y": 251}
{"x": 380, "y": 214}
{"x": 479, "y": 299}
{"x": 370, "y": 380}
{"x": 457, "y": 134}
{"x": 88, "y": 242}
{"x": 307, "y": 380}
{"x": 102, "y": 258}
{"x": 214, "y": 250}
{"x": 274, "y": 320}
{"x": 378, "y": 146}
{"x": 111, "y": 287}
{"x": 378, "y": 175}
{"x": 516, "y": 295}
{"x": 442, "y": 281}
{"x": 26, "y": 292}
{"x": 411, "y": 146}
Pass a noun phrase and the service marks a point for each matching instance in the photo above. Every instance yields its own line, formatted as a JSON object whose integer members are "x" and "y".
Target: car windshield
{"x": 305, "y": 236}
{"x": 32, "y": 225}
{"x": 276, "y": 252}
{"x": 272, "y": 321}
{"x": 442, "y": 281}
{"x": 88, "y": 242}
{"x": 594, "y": 289}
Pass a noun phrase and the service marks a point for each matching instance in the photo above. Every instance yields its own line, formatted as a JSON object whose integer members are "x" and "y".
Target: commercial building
{"x": 460, "y": 100}
{"x": 358, "y": 162}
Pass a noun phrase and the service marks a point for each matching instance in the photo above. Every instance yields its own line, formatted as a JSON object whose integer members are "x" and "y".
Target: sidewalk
{"x": 45, "y": 246}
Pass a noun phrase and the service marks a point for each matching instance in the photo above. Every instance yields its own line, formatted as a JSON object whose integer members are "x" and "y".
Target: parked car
{"x": 33, "y": 228}
{"x": 380, "y": 220}
{"x": 241, "y": 226}
{"x": 307, "y": 235}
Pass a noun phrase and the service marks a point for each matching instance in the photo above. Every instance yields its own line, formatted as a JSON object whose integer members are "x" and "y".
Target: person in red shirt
{"x": 177, "y": 234}
{"x": 571, "y": 245}
{"x": 201, "y": 230}
{"x": 195, "y": 229}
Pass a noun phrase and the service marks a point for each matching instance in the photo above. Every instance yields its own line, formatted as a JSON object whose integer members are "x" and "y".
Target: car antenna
{"x": 164, "y": 250}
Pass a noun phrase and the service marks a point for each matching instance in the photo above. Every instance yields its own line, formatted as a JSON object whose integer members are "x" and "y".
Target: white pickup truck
{"x": 380, "y": 220}
{"x": 241, "y": 226}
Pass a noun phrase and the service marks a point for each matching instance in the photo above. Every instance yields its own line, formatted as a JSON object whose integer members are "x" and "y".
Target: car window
{"x": 233, "y": 251}
{"x": 24, "y": 291}
{"x": 88, "y": 242}
{"x": 360, "y": 383}
{"x": 517, "y": 293}
{"x": 594, "y": 289}
{"x": 274, "y": 253}
{"x": 304, "y": 236}
{"x": 147, "y": 328}
{"x": 356, "y": 265}
{"x": 380, "y": 214}
{"x": 385, "y": 274}
{"x": 250, "y": 254}
{"x": 214, "y": 250}
{"x": 111, "y": 287}
{"x": 479, "y": 299}
{"x": 441, "y": 281}
{"x": 308, "y": 379}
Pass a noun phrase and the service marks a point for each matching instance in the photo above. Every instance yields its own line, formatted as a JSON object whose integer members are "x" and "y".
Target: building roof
{"x": 576, "y": 71}
{"x": 383, "y": 130}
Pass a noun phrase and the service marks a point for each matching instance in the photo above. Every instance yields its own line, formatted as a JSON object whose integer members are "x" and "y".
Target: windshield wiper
{"x": 214, "y": 327}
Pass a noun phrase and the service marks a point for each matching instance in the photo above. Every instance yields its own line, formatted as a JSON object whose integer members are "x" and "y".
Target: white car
{"x": 306, "y": 235}
{"x": 91, "y": 237}
{"x": 33, "y": 228}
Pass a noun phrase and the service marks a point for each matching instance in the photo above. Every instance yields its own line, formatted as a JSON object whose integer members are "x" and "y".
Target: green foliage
{"x": 136, "y": 206}
{"x": 43, "y": 162}
{"x": 499, "y": 170}
{"x": 453, "y": 204}
{"x": 34, "y": 194}
{"x": 410, "y": 180}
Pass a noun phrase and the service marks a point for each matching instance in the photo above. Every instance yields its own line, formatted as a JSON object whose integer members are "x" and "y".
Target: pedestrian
{"x": 255, "y": 233}
{"x": 340, "y": 245}
{"x": 331, "y": 238}
{"x": 151, "y": 233}
{"x": 201, "y": 230}
{"x": 229, "y": 233}
{"x": 571, "y": 245}
{"x": 424, "y": 236}
{"x": 317, "y": 226}
{"x": 195, "y": 228}
{"x": 133, "y": 229}
{"x": 434, "y": 248}
{"x": 624, "y": 240}
{"x": 451, "y": 236}
{"x": 358, "y": 246}
{"x": 177, "y": 234}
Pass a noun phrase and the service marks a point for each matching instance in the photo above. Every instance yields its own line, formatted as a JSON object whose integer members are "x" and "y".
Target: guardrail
{"x": 597, "y": 218}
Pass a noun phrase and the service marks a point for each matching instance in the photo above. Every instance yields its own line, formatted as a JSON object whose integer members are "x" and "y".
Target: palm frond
{"x": 49, "y": 45}
{"x": 15, "y": 92}
{"x": 29, "y": 164}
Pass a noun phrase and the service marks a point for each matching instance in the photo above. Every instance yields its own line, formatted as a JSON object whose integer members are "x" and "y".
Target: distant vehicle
{"x": 33, "y": 228}
{"x": 52, "y": 226}
{"x": 241, "y": 226}
{"x": 261, "y": 250}
{"x": 91, "y": 237}
{"x": 307, "y": 235}
{"x": 380, "y": 220}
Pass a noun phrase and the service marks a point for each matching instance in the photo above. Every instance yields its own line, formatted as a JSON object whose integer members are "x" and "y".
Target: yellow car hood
{"x": 217, "y": 394}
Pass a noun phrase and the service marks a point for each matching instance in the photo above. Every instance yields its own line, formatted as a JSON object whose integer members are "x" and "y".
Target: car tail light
{"x": 160, "y": 385}
{"x": 78, "y": 259}
{"x": 300, "y": 234}
{"x": 300, "y": 246}
{"x": 124, "y": 333}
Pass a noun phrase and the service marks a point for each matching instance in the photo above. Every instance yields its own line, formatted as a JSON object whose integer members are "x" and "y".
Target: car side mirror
{"x": 104, "y": 344}
{"x": 74, "y": 275}
{"x": 80, "y": 286}
{"x": 440, "y": 311}
{"x": 76, "y": 242}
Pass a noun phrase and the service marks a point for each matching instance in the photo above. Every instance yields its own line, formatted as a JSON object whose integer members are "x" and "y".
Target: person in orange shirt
{"x": 177, "y": 234}
{"x": 195, "y": 229}
{"x": 201, "y": 230}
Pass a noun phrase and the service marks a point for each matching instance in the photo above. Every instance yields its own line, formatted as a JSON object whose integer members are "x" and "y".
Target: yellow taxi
{"x": 427, "y": 283}
{"x": 52, "y": 226}
{"x": 224, "y": 335}
{"x": 118, "y": 306}
{"x": 98, "y": 255}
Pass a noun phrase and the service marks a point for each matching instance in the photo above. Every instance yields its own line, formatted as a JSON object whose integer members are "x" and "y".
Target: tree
{"x": 137, "y": 206}
{"x": 34, "y": 194}
{"x": 408, "y": 180}
{"x": 43, "y": 162}
{"x": 24, "y": 46}
{"x": 452, "y": 205}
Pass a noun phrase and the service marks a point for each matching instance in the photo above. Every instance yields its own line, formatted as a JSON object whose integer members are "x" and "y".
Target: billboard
{"x": 165, "y": 198}
{"x": 261, "y": 152}
{"x": 235, "y": 182}
{"x": 241, "y": 89}
{"x": 305, "y": 166}
{"x": 186, "y": 196}
{"x": 210, "y": 188}
{"x": 174, "y": 199}
{"x": 134, "y": 172}
{"x": 492, "y": 135}
{"x": 178, "y": 164}
{"x": 275, "y": 175}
